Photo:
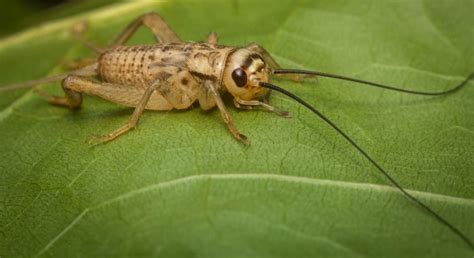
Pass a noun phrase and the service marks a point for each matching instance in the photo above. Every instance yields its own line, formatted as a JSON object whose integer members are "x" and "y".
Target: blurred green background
{"x": 18, "y": 15}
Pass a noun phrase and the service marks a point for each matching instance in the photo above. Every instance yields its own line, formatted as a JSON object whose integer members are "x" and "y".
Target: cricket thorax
{"x": 139, "y": 66}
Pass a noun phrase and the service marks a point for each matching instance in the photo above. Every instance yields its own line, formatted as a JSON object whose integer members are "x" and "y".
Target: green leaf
{"x": 180, "y": 186}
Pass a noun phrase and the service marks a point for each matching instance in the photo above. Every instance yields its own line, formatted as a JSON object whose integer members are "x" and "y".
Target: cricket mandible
{"x": 172, "y": 74}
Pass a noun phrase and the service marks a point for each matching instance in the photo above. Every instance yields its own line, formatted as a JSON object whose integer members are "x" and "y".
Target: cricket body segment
{"x": 182, "y": 68}
{"x": 173, "y": 75}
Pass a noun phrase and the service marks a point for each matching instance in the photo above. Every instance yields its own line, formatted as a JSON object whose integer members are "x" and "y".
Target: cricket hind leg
{"x": 163, "y": 33}
{"x": 154, "y": 22}
{"x": 71, "y": 87}
{"x": 74, "y": 86}
{"x": 72, "y": 98}
{"x": 121, "y": 94}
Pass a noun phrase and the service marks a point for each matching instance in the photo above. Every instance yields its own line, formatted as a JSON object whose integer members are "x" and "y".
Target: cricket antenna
{"x": 384, "y": 173}
{"x": 374, "y": 84}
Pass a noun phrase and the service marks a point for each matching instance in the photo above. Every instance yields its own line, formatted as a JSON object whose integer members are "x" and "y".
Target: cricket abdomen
{"x": 139, "y": 66}
{"x": 127, "y": 65}
{"x": 181, "y": 69}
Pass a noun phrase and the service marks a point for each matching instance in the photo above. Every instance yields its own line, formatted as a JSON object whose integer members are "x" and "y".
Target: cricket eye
{"x": 240, "y": 77}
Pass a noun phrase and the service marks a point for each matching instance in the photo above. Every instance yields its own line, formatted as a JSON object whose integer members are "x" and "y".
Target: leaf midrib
{"x": 288, "y": 179}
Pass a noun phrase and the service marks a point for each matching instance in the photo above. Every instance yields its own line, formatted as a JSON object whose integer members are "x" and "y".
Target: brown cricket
{"x": 172, "y": 74}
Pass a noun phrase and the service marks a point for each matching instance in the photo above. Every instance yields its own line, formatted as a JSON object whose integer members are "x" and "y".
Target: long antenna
{"x": 391, "y": 179}
{"x": 378, "y": 85}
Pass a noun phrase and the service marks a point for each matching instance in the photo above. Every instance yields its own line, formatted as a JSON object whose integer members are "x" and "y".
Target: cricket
{"x": 173, "y": 74}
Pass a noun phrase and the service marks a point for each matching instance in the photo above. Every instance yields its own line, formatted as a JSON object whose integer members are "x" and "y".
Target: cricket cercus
{"x": 172, "y": 74}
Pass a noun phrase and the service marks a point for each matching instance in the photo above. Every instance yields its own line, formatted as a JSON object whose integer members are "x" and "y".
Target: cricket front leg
{"x": 250, "y": 104}
{"x": 137, "y": 113}
{"x": 213, "y": 93}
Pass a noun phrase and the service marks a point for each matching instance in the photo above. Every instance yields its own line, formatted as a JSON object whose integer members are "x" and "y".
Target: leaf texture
{"x": 180, "y": 186}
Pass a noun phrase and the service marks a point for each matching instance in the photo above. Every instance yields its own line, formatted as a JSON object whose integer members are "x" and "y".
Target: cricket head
{"x": 243, "y": 73}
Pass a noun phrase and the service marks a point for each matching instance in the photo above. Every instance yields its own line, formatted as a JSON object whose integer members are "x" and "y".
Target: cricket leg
{"x": 209, "y": 86}
{"x": 161, "y": 30}
{"x": 137, "y": 113}
{"x": 273, "y": 64}
{"x": 269, "y": 60}
{"x": 212, "y": 38}
{"x": 250, "y": 104}
{"x": 206, "y": 100}
{"x": 77, "y": 63}
{"x": 78, "y": 33}
{"x": 120, "y": 94}
{"x": 72, "y": 98}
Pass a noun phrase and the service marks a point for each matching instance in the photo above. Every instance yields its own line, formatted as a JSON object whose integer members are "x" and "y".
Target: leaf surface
{"x": 180, "y": 186}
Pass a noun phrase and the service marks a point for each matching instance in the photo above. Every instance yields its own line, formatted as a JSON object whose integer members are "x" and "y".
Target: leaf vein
{"x": 62, "y": 233}
{"x": 282, "y": 178}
